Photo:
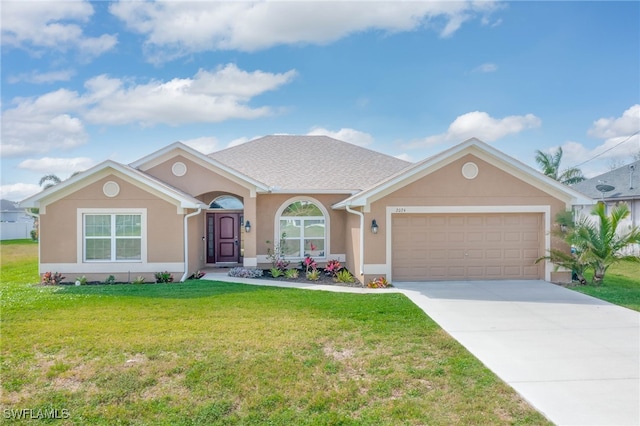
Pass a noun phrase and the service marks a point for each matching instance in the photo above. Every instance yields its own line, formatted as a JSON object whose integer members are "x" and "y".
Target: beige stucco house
{"x": 470, "y": 212}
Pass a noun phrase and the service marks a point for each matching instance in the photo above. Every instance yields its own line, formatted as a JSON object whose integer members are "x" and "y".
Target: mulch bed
{"x": 323, "y": 280}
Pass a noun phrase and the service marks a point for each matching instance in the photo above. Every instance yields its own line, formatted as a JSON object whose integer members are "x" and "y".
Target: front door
{"x": 223, "y": 237}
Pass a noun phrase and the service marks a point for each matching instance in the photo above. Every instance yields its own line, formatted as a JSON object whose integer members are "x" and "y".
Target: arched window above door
{"x": 227, "y": 202}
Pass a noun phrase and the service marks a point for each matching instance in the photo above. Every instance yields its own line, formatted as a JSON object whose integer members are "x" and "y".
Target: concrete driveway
{"x": 575, "y": 358}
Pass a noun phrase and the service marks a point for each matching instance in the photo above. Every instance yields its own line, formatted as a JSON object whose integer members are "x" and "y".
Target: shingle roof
{"x": 625, "y": 180}
{"x": 287, "y": 162}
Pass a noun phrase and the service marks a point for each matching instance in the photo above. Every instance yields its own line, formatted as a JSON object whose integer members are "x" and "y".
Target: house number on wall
{"x": 400, "y": 210}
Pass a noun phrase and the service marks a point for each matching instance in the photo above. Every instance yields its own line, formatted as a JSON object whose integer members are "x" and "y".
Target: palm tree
{"x": 597, "y": 245}
{"x": 50, "y": 181}
{"x": 550, "y": 165}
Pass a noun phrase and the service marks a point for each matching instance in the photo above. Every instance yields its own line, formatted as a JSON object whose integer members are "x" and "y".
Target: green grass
{"x": 621, "y": 286}
{"x": 210, "y": 353}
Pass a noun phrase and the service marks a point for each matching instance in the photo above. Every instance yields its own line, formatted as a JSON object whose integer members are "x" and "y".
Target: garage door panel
{"x": 467, "y": 246}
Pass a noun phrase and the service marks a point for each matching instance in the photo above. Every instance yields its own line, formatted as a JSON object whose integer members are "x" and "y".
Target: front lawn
{"x": 621, "y": 286}
{"x": 205, "y": 352}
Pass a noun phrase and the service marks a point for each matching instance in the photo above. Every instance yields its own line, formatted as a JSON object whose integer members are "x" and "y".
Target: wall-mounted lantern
{"x": 247, "y": 226}
{"x": 374, "y": 226}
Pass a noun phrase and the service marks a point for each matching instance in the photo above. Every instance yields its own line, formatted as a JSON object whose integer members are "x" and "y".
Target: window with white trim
{"x": 304, "y": 227}
{"x": 112, "y": 237}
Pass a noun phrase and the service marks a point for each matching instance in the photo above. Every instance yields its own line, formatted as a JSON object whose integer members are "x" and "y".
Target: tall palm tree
{"x": 550, "y": 165}
{"x": 49, "y": 181}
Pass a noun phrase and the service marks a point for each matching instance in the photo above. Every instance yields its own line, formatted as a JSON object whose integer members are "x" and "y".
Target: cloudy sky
{"x": 83, "y": 81}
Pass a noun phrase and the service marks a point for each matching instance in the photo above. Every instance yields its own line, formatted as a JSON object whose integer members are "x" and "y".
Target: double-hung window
{"x": 112, "y": 237}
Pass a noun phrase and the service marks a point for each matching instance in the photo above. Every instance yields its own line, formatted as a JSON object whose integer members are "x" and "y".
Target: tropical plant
{"x": 596, "y": 246}
{"x": 550, "y": 165}
{"x": 82, "y": 280}
{"x": 52, "y": 278}
{"x": 313, "y": 275}
{"x": 111, "y": 279}
{"x": 164, "y": 277}
{"x": 292, "y": 274}
{"x": 344, "y": 276}
{"x": 139, "y": 280}
{"x": 308, "y": 264}
{"x": 332, "y": 268}
{"x": 380, "y": 282}
{"x": 49, "y": 180}
{"x": 276, "y": 272}
{"x": 241, "y": 272}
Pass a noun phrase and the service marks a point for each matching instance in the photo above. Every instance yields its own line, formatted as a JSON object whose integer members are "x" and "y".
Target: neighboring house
{"x": 11, "y": 212}
{"x": 470, "y": 212}
{"x": 621, "y": 185}
{"x": 14, "y": 222}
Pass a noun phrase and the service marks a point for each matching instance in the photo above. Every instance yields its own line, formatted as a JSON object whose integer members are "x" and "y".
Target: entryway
{"x": 223, "y": 237}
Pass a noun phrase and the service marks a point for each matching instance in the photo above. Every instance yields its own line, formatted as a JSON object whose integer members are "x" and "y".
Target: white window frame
{"x": 325, "y": 213}
{"x": 82, "y": 213}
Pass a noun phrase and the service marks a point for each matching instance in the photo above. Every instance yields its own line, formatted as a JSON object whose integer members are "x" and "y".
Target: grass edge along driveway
{"x": 203, "y": 352}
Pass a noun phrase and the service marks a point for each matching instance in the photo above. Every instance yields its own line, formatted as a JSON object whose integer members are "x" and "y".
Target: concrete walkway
{"x": 576, "y": 359}
{"x": 573, "y": 357}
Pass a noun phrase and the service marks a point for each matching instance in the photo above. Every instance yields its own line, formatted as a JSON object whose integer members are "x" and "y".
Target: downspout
{"x": 186, "y": 243}
{"x": 361, "y": 237}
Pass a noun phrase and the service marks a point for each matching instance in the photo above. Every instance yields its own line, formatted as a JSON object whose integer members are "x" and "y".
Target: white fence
{"x": 15, "y": 230}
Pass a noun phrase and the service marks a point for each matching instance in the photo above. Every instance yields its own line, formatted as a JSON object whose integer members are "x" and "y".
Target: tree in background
{"x": 550, "y": 165}
{"x": 49, "y": 180}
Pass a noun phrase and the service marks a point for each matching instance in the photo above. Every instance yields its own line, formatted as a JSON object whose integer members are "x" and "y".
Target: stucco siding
{"x": 448, "y": 187}
{"x": 267, "y": 207}
{"x": 59, "y": 225}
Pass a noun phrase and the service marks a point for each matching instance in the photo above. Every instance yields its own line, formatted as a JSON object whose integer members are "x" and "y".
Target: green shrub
{"x": 313, "y": 275}
{"x": 111, "y": 279}
{"x": 139, "y": 280}
{"x": 82, "y": 280}
{"x": 344, "y": 276}
{"x": 276, "y": 272}
{"x": 164, "y": 277}
{"x": 292, "y": 274}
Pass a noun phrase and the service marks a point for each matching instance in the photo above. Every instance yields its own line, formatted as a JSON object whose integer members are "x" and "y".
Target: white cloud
{"x": 241, "y": 140}
{"x": 61, "y": 167}
{"x": 619, "y": 145}
{"x": 208, "y": 97}
{"x": 174, "y": 29}
{"x": 487, "y": 67}
{"x": 353, "y": 136}
{"x": 405, "y": 157}
{"x": 205, "y": 144}
{"x": 18, "y": 191}
{"x": 47, "y": 25}
{"x": 623, "y": 126}
{"x": 41, "y": 78}
{"x": 55, "y": 120}
{"x": 480, "y": 125}
{"x": 40, "y": 125}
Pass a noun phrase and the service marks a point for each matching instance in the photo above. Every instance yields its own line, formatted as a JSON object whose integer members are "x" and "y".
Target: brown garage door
{"x": 428, "y": 247}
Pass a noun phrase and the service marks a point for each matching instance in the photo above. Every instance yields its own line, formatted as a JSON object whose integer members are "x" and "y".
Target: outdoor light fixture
{"x": 247, "y": 226}
{"x": 374, "y": 226}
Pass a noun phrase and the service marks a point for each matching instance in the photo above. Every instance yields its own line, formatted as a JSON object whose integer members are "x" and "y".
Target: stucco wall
{"x": 268, "y": 205}
{"x": 448, "y": 187}
{"x": 59, "y": 226}
{"x": 205, "y": 185}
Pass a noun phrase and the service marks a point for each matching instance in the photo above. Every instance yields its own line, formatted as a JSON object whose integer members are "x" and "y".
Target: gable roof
{"x": 625, "y": 180}
{"x": 103, "y": 169}
{"x": 288, "y": 163}
{"x": 471, "y": 146}
{"x": 157, "y": 157}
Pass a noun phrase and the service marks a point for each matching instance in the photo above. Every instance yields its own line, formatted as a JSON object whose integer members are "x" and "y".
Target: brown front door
{"x": 223, "y": 237}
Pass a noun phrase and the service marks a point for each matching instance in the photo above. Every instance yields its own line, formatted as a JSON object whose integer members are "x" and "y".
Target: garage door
{"x": 429, "y": 247}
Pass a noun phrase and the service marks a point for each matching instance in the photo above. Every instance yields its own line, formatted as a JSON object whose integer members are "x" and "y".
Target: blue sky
{"x": 83, "y": 82}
